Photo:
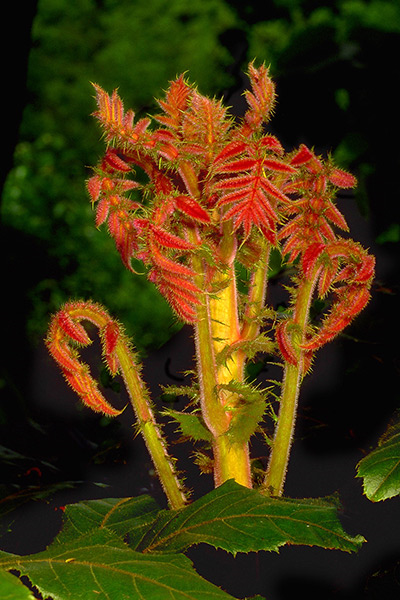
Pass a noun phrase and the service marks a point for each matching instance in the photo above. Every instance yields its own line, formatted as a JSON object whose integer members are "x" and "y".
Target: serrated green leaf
{"x": 190, "y": 425}
{"x": 11, "y": 588}
{"x": 118, "y": 514}
{"x": 237, "y": 519}
{"x": 380, "y": 469}
{"x": 99, "y": 566}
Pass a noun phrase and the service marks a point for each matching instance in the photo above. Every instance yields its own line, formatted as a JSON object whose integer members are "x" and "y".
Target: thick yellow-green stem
{"x": 279, "y": 457}
{"x": 231, "y": 458}
{"x": 216, "y": 327}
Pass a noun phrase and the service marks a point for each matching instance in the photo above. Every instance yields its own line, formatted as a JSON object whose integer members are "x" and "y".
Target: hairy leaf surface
{"x": 100, "y": 566}
{"x": 238, "y": 519}
{"x": 118, "y": 514}
{"x": 380, "y": 469}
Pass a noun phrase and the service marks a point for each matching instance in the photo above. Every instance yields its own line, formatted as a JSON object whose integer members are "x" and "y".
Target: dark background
{"x": 336, "y": 69}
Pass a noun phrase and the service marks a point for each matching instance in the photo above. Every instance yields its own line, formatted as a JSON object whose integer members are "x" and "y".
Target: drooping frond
{"x": 65, "y": 332}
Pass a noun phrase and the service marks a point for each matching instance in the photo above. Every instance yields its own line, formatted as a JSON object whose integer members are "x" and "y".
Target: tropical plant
{"x": 205, "y": 203}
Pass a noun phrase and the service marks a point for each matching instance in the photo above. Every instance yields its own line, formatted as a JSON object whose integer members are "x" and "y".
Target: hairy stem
{"x": 232, "y": 460}
{"x": 212, "y": 411}
{"x": 150, "y": 430}
{"x": 293, "y": 375}
{"x": 256, "y": 295}
{"x": 141, "y": 404}
{"x": 218, "y": 326}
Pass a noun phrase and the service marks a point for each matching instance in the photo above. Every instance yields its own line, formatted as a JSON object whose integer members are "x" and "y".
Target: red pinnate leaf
{"x": 272, "y": 143}
{"x": 191, "y": 208}
{"x": 178, "y": 292}
{"x": 261, "y": 98}
{"x": 102, "y": 211}
{"x": 72, "y": 327}
{"x": 277, "y": 165}
{"x": 86, "y": 388}
{"x": 116, "y": 162}
{"x": 167, "y": 264}
{"x": 168, "y": 240}
{"x": 94, "y": 187}
{"x": 243, "y": 164}
{"x": 64, "y": 329}
{"x": 110, "y": 107}
{"x": 229, "y": 151}
{"x": 110, "y": 113}
{"x": 253, "y": 210}
{"x": 183, "y": 308}
{"x": 351, "y": 300}
{"x": 310, "y": 257}
{"x": 342, "y": 179}
{"x": 183, "y": 284}
{"x": 176, "y": 101}
{"x": 285, "y": 343}
{"x": 302, "y": 156}
{"x": 110, "y": 335}
{"x": 62, "y": 353}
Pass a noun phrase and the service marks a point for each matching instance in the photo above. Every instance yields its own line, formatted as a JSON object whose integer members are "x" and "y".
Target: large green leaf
{"x": 127, "y": 517}
{"x": 231, "y": 517}
{"x": 11, "y": 588}
{"x": 237, "y": 519}
{"x": 99, "y": 566}
{"x": 380, "y": 469}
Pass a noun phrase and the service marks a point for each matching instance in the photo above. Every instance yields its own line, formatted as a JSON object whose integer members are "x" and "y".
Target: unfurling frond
{"x": 260, "y": 98}
{"x": 64, "y": 330}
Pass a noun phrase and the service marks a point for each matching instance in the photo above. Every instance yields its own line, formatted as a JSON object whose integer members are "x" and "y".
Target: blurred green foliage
{"x": 136, "y": 46}
{"x": 332, "y": 66}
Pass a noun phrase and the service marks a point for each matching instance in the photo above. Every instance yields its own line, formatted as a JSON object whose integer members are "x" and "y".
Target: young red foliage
{"x": 191, "y": 208}
{"x": 65, "y": 329}
{"x": 204, "y": 169}
{"x": 261, "y": 99}
{"x": 311, "y": 211}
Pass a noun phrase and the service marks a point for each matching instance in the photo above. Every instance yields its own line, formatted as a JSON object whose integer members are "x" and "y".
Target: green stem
{"x": 141, "y": 404}
{"x": 256, "y": 295}
{"x": 293, "y": 375}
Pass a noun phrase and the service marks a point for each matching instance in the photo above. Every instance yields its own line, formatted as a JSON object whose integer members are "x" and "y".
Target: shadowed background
{"x": 335, "y": 70}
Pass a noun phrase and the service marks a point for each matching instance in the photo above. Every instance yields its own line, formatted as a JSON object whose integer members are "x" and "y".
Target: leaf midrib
{"x": 272, "y": 518}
